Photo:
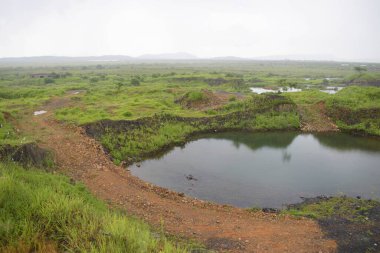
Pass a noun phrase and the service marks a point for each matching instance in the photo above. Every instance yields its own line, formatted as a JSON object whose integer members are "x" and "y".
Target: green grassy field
{"x": 108, "y": 91}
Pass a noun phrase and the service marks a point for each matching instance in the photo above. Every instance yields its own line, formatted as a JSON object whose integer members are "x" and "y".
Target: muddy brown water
{"x": 268, "y": 169}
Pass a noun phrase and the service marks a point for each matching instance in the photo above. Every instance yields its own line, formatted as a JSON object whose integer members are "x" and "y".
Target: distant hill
{"x": 162, "y": 57}
{"x": 229, "y": 58}
{"x": 54, "y": 59}
{"x": 169, "y": 56}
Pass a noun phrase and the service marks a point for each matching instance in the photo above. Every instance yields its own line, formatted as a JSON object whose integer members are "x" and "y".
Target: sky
{"x": 323, "y": 29}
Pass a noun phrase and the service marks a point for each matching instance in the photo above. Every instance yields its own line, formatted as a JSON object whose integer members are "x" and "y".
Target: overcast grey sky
{"x": 342, "y": 29}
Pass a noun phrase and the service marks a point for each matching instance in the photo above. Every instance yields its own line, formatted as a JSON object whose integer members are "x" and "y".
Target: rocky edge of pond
{"x": 355, "y": 229}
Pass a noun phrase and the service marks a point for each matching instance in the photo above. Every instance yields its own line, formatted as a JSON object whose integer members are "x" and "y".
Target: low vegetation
{"x": 42, "y": 212}
{"x": 356, "y": 109}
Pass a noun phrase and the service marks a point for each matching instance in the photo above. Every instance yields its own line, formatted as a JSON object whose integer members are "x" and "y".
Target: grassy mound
{"x": 356, "y": 109}
{"x": 42, "y": 212}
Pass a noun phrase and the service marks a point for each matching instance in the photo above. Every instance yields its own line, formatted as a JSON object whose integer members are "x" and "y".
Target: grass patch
{"x": 42, "y": 212}
{"x": 356, "y": 109}
{"x": 195, "y": 96}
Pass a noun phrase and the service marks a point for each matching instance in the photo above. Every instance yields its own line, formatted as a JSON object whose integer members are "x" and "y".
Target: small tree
{"x": 48, "y": 80}
{"x": 282, "y": 82}
{"x": 135, "y": 81}
{"x": 360, "y": 69}
{"x": 119, "y": 85}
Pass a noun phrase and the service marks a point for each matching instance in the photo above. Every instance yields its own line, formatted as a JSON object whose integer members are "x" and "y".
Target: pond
{"x": 284, "y": 89}
{"x": 332, "y": 89}
{"x": 268, "y": 169}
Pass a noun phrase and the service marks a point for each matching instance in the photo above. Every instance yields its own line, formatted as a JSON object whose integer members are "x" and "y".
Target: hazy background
{"x": 294, "y": 29}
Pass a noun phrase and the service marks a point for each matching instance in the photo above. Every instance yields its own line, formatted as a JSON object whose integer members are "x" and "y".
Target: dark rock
{"x": 191, "y": 177}
{"x": 270, "y": 210}
{"x": 224, "y": 244}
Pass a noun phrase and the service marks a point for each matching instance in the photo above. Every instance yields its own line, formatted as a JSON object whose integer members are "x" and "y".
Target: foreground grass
{"x": 42, "y": 212}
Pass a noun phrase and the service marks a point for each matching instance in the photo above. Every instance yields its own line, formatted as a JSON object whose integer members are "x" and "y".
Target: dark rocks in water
{"x": 191, "y": 177}
{"x": 270, "y": 210}
{"x": 138, "y": 165}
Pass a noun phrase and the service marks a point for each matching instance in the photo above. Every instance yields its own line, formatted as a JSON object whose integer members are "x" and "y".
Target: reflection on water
{"x": 268, "y": 169}
{"x": 286, "y": 156}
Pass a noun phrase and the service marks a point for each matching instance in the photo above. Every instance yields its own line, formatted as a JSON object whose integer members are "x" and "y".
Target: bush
{"x": 48, "y": 80}
{"x": 127, "y": 114}
{"x": 135, "y": 81}
{"x": 195, "y": 96}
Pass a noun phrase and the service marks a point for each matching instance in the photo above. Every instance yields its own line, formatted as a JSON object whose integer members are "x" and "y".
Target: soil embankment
{"x": 314, "y": 118}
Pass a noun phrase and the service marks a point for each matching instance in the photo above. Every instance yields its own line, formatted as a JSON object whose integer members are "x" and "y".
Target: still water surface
{"x": 268, "y": 169}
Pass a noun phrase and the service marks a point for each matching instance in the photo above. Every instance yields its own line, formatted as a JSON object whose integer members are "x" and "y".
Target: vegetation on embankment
{"x": 7, "y": 133}
{"x": 131, "y": 141}
{"x": 29, "y": 155}
{"x": 353, "y": 109}
{"x": 353, "y": 222}
{"x": 43, "y": 212}
{"x": 356, "y": 109}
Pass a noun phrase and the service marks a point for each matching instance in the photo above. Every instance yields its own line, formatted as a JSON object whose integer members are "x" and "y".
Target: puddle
{"x": 285, "y": 89}
{"x": 75, "y": 92}
{"x": 332, "y": 90}
{"x": 39, "y": 112}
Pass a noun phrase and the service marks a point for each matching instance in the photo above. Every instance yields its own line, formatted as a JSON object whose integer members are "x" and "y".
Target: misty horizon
{"x": 183, "y": 56}
{"x": 271, "y": 30}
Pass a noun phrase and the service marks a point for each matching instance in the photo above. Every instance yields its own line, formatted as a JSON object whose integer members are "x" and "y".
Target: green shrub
{"x": 127, "y": 114}
{"x": 135, "y": 81}
{"x": 48, "y": 80}
{"x": 195, "y": 96}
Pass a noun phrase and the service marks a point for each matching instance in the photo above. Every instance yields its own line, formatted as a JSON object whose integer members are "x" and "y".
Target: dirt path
{"x": 223, "y": 228}
{"x": 314, "y": 118}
